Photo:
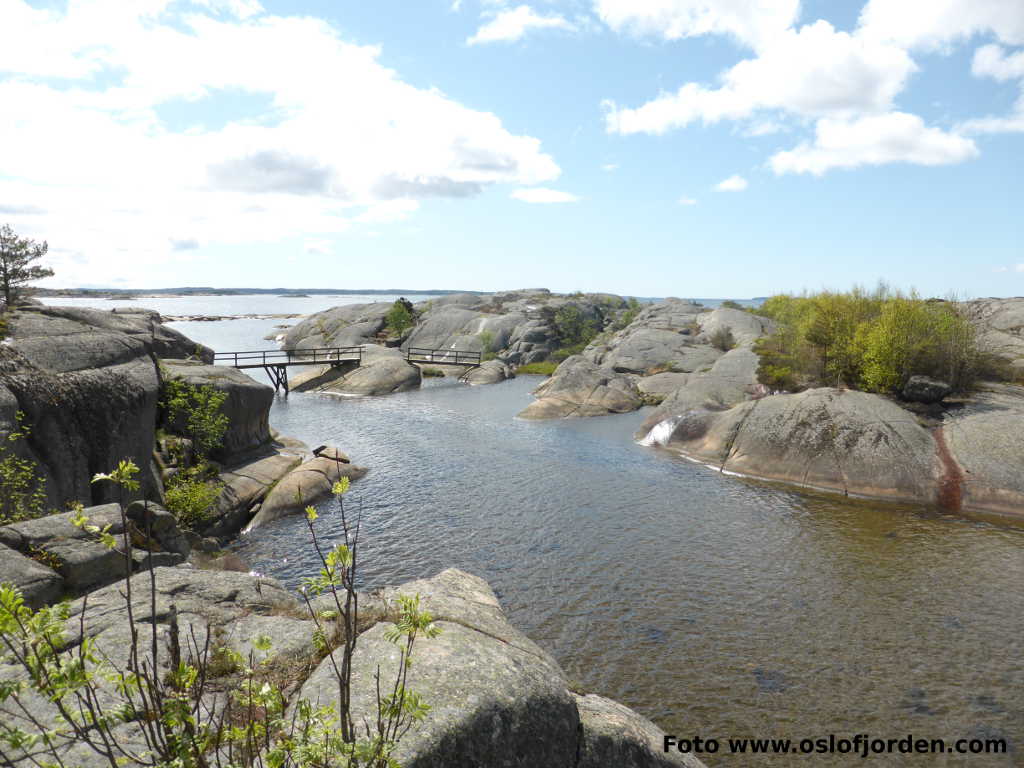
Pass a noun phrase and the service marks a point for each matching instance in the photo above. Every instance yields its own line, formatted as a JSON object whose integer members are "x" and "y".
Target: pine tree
{"x": 16, "y": 254}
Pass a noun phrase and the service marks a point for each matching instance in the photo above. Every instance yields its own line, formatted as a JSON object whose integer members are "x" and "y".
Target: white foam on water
{"x": 660, "y": 432}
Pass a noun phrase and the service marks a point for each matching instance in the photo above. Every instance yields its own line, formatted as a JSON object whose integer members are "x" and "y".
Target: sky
{"x": 696, "y": 148}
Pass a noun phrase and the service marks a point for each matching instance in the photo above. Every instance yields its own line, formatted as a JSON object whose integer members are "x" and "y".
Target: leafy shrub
{"x": 196, "y": 411}
{"x": 488, "y": 352}
{"x": 628, "y": 315}
{"x": 723, "y": 339}
{"x": 22, "y": 488}
{"x": 192, "y": 497}
{"x": 730, "y": 304}
{"x": 399, "y": 318}
{"x": 545, "y": 368}
{"x": 872, "y": 340}
{"x": 574, "y": 327}
{"x": 432, "y": 372}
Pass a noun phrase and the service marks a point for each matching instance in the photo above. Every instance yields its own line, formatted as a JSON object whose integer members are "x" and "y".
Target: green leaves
{"x": 196, "y": 411}
{"x": 124, "y": 475}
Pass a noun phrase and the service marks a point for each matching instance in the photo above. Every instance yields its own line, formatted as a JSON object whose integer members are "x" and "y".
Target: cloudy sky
{"x": 650, "y": 147}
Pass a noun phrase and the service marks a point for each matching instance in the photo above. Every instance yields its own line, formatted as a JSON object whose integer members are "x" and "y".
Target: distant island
{"x": 123, "y": 293}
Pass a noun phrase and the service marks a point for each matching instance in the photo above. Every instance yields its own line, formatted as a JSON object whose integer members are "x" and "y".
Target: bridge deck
{"x": 276, "y": 361}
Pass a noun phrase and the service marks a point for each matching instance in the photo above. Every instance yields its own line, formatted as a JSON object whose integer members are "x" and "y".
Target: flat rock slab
{"x": 39, "y": 585}
{"x": 84, "y": 563}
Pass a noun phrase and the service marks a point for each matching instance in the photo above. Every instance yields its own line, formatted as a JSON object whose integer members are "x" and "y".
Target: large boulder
{"x": 346, "y": 326}
{"x": 922, "y": 389}
{"x": 840, "y": 440}
{"x": 308, "y": 483}
{"x": 580, "y": 388}
{"x": 490, "y": 372}
{"x": 245, "y": 484}
{"x": 86, "y": 383}
{"x": 383, "y": 371}
{"x": 247, "y": 405}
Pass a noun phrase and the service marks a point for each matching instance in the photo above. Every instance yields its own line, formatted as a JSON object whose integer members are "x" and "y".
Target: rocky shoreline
{"x": 87, "y": 384}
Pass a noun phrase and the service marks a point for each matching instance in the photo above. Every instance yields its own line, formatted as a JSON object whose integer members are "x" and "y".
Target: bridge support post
{"x": 279, "y": 376}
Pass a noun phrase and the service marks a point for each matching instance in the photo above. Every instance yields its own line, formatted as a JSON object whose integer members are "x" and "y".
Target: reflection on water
{"x": 717, "y": 606}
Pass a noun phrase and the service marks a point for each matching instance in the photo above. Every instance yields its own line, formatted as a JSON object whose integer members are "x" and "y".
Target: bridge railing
{"x": 442, "y": 356}
{"x": 268, "y": 357}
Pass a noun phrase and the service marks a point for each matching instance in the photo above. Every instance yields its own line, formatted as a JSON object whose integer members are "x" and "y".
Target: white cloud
{"x": 343, "y": 141}
{"x": 814, "y": 72}
{"x": 993, "y": 61}
{"x": 609, "y": 167}
{"x": 687, "y": 201}
{"x": 544, "y": 195}
{"x": 753, "y": 22}
{"x": 894, "y": 137}
{"x": 511, "y": 25}
{"x": 318, "y": 247}
{"x": 734, "y": 183}
{"x": 930, "y": 24}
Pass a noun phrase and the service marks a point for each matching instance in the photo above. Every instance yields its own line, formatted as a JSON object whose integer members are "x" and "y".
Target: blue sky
{"x": 649, "y": 147}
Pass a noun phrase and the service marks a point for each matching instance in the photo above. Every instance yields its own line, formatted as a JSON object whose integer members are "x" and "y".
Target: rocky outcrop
{"x": 87, "y": 384}
{"x": 383, "y": 371}
{"x": 840, "y": 440}
{"x": 516, "y": 325}
{"x": 495, "y": 697}
{"x": 346, "y": 326}
{"x": 63, "y": 559}
{"x": 666, "y": 356}
{"x": 1000, "y": 327}
{"x": 245, "y": 484}
{"x": 581, "y": 388}
{"x": 490, "y": 372}
{"x": 862, "y": 444}
{"x": 306, "y": 484}
{"x": 247, "y": 405}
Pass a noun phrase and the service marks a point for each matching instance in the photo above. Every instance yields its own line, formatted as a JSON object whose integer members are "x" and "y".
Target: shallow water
{"x": 717, "y": 606}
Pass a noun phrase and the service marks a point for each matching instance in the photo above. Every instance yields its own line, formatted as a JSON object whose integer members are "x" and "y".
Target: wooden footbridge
{"x": 276, "y": 362}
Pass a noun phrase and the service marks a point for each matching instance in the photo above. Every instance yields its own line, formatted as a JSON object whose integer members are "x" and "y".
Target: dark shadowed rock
{"x": 614, "y": 735}
{"x": 922, "y": 389}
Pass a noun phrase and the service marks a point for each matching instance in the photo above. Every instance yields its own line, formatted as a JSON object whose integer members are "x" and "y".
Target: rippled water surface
{"x": 716, "y": 606}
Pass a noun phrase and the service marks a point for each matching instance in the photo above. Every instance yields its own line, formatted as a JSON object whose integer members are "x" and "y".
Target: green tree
{"x": 197, "y": 412}
{"x": 399, "y": 318}
{"x": 16, "y": 254}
